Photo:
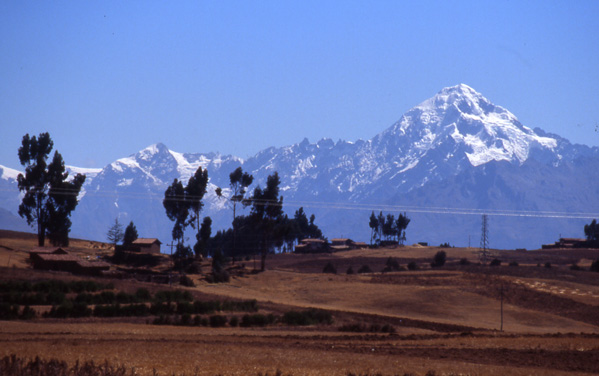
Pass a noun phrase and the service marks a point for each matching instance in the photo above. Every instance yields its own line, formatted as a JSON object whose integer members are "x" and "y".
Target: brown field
{"x": 447, "y": 320}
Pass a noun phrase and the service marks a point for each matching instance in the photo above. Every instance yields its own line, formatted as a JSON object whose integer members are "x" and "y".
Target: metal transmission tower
{"x": 484, "y": 240}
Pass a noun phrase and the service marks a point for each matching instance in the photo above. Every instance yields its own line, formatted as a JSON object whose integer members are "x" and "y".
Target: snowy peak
{"x": 460, "y": 115}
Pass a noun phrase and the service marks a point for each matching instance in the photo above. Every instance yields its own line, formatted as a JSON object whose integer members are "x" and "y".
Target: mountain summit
{"x": 460, "y": 122}
{"x": 452, "y": 156}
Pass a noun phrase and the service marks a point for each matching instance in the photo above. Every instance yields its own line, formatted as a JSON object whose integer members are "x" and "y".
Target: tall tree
{"x": 50, "y": 197}
{"x": 267, "y": 211}
{"x": 115, "y": 232}
{"x": 374, "y": 225}
{"x": 381, "y": 222}
{"x": 591, "y": 231}
{"x": 130, "y": 234}
{"x": 389, "y": 227}
{"x": 194, "y": 193}
{"x": 238, "y": 181}
{"x": 177, "y": 209}
{"x": 202, "y": 237}
{"x": 401, "y": 224}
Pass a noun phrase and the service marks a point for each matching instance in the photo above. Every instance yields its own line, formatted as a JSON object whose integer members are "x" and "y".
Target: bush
{"x": 445, "y": 245}
{"x": 373, "y": 328}
{"x": 143, "y": 295}
{"x": 495, "y": 262}
{"x": 412, "y": 265}
{"x": 217, "y": 321}
{"x": 329, "y": 268}
{"x": 218, "y": 276}
{"x": 28, "y": 313}
{"x": 364, "y": 269}
{"x": 256, "y": 319}
{"x": 392, "y": 264}
{"x": 464, "y": 261}
{"x": 439, "y": 259}
{"x": 595, "y": 266}
{"x": 513, "y": 263}
{"x": 548, "y": 265}
{"x": 186, "y": 281}
{"x": 350, "y": 270}
{"x": 575, "y": 267}
{"x": 307, "y": 317}
{"x": 234, "y": 321}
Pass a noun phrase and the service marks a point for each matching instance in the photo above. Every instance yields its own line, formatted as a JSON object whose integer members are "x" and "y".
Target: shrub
{"x": 392, "y": 264}
{"x": 256, "y": 319}
{"x": 234, "y": 321}
{"x": 350, "y": 270}
{"x": 8, "y": 312}
{"x": 186, "y": 281}
{"x": 548, "y": 265}
{"x": 412, "y": 265}
{"x": 307, "y": 317}
{"x": 373, "y": 328}
{"x": 143, "y": 295}
{"x": 595, "y": 266}
{"x": 575, "y": 267}
{"x": 439, "y": 259}
{"x": 464, "y": 261}
{"x": 217, "y": 321}
{"x": 495, "y": 262}
{"x": 218, "y": 276}
{"x": 513, "y": 263}
{"x": 28, "y": 313}
{"x": 329, "y": 268}
{"x": 185, "y": 319}
{"x": 364, "y": 269}
{"x": 445, "y": 245}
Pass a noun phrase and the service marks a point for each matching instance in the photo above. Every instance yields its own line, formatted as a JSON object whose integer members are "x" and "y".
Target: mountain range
{"x": 446, "y": 162}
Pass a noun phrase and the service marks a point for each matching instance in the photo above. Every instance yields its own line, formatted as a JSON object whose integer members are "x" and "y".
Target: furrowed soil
{"x": 446, "y": 320}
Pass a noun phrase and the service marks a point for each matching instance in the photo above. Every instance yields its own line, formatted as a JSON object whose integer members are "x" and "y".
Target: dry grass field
{"x": 447, "y": 320}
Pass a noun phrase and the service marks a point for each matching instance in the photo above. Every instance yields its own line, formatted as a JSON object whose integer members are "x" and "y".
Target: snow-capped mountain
{"x": 445, "y": 162}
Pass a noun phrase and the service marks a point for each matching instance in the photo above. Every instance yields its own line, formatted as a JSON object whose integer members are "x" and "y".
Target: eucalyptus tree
{"x": 49, "y": 195}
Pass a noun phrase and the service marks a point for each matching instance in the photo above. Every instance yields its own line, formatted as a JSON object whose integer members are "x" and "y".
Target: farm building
{"x": 565, "y": 243}
{"x": 312, "y": 246}
{"x": 59, "y": 259}
{"x": 343, "y": 244}
{"x": 147, "y": 245}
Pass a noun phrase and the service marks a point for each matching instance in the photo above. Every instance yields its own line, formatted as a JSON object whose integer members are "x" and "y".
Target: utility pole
{"x": 484, "y": 239}
{"x": 501, "y": 328}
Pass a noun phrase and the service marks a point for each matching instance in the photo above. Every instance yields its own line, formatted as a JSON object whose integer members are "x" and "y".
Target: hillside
{"x": 449, "y": 315}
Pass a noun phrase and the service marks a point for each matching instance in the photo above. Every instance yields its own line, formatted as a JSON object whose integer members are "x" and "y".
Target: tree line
{"x": 262, "y": 231}
{"x": 388, "y": 227}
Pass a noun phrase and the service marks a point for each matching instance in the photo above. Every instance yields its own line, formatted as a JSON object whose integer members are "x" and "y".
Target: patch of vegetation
{"x": 307, "y": 317}
{"x": 364, "y": 269}
{"x": 513, "y": 263}
{"x": 464, "y": 261}
{"x": 257, "y": 319}
{"x": 412, "y": 265}
{"x": 329, "y": 268}
{"x": 595, "y": 266}
{"x": 439, "y": 259}
{"x": 495, "y": 262}
{"x": 350, "y": 270}
{"x": 361, "y": 328}
{"x": 392, "y": 265}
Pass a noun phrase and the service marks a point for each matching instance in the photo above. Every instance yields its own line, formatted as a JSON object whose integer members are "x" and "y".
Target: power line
{"x": 344, "y": 205}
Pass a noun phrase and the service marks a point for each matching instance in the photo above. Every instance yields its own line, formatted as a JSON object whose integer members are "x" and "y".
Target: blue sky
{"x": 107, "y": 79}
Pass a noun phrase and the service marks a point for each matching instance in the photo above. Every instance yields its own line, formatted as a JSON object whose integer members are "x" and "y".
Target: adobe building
{"x": 147, "y": 245}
